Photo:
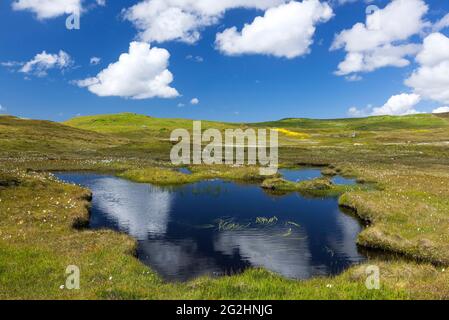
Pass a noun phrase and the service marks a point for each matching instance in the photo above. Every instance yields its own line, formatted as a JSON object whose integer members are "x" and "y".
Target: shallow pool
{"x": 299, "y": 175}
{"x": 219, "y": 228}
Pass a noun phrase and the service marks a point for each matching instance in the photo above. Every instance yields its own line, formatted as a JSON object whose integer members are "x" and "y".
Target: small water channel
{"x": 305, "y": 174}
{"x": 220, "y": 228}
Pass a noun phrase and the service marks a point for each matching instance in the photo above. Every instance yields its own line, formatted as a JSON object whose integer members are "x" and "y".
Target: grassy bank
{"x": 170, "y": 176}
{"x": 410, "y": 214}
{"x": 321, "y": 187}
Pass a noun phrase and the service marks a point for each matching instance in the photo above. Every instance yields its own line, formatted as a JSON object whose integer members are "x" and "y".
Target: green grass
{"x": 408, "y": 215}
{"x": 402, "y": 160}
{"x": 138, "y": 127}
{"x": 32, "y": 138}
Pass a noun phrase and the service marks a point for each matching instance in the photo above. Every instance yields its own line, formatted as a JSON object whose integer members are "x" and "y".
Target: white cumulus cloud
{"x": 44, "y": 61}
{"x": 183, "y": 20}
{"x": 397, "y": 105}
{"x": 95, "y": 60}
{"x": 359, "y": 113}
{"x": 401, "y": 104}
{"x": 441, "y": 110}
{"x": 45, "y": 9}
{"x": 431, "y": 79}
{"x": 284, "y": 31}
{"x": 382, "y": 40}
{"x": 142, "y": 73}
{"x": 195, "y": 101}
{"x": 442, "y": 23}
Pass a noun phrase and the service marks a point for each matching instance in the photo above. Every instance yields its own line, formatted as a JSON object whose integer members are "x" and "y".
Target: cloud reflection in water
{"x": 178, "y": 234}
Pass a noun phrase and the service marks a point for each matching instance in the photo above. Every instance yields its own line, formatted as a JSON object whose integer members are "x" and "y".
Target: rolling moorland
{"x": 401, "y": 162}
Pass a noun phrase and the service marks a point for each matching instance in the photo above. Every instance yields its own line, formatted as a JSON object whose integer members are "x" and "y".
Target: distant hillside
{"x": 132, "y": 135}
{"x": 136, "y": 126}
{"x": 443, "y": 115}
{"x": 35, "y": 137}
{"x": 379, "y": 123}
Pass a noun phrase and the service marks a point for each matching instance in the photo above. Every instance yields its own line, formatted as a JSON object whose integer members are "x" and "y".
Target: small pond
{"x": 219, "y": 228}
{"x": 343, "y": 181}
{"x": 185, "y": 171}
{"x": 300, "y": 174}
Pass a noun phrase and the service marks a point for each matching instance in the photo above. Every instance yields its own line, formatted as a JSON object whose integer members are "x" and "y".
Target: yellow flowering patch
{"x": 295, "y": 134}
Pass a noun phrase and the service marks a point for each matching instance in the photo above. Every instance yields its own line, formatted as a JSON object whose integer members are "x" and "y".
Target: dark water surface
{"x": 217, "y": 227}
{"x": 185, "y": 171}
{"x": 299, "y": 175}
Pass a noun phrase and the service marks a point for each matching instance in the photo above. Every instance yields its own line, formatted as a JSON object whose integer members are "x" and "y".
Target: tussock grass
{"x": 320, "y": 187}
{"x": 410, "y": 214}
{"x": 169, "y": 176}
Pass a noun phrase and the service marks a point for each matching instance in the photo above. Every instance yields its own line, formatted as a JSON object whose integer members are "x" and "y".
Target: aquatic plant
{"x": 267, "y": 221}
{"x": 288, "y": 233}
{"x": 206, "y": 226}
{"x": 230, "y": 225}
{"x": 293, "y": 224}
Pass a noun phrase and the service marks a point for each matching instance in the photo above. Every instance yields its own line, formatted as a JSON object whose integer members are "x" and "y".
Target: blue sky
{"x": 250, "y": 85}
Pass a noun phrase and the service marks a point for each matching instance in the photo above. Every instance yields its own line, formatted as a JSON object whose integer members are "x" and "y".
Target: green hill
{"x": 378, "y": 123}
{"x": 132, "y": 135}
{"x": 23, "y": 137}
{"x": 125, "y": 123}
{"x": 131, "y": 122}
{"x": 136, "y": 126}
